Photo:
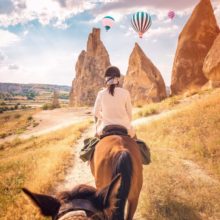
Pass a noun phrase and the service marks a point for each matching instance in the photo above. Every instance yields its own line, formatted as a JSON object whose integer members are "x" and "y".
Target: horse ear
{"x": 48, "y": 205}
{"x": 111, "y": 192}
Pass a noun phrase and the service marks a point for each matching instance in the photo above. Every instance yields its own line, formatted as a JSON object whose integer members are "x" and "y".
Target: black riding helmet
{"x": 112, "y": 71}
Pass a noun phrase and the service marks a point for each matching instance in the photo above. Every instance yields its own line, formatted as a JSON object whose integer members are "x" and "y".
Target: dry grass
{"x": 15, "y": 122}
{"x": 169, "y": 103}
{"x": 37, "y": 163}
{"x": 155, "y": 108}
{"x": 183, "y": 181}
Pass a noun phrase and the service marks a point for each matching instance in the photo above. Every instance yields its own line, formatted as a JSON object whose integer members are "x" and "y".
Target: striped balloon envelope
{"x": 171, "y": 14}
{"x": 141, "y": 22}
{"x": 108, "y": 22}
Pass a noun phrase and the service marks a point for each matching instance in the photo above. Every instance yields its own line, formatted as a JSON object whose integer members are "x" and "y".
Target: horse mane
{"x": 123, "y": 164}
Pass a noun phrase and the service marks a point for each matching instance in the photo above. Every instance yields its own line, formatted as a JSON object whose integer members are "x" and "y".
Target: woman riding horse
{"x": 116, "y": 166}
{"x": 117, "y": 153}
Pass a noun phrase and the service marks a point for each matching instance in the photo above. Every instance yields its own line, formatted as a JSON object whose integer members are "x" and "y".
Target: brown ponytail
{"x": 111, "y": 89}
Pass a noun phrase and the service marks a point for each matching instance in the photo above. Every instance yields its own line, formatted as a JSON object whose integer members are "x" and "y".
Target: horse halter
{"x": 81, "y": 209}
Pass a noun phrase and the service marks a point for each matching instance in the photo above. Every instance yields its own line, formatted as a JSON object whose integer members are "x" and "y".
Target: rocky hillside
{"x": 211, "y": 65}
{"x": 89, "y": 70}
{"x": 194, "y": 43}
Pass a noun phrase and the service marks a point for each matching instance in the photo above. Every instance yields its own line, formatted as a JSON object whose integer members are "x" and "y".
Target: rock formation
{"x": 211, "y": 66}
{"x": 194, "y": 43}
{"x": 143, "y": 79}
{"x": 55, "y": 100}
{"x": 89, "y": 70}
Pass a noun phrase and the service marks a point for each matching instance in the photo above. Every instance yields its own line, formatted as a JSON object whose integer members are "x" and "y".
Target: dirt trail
{"x": 52, "y": 120}
{"x": 80, "y": 171}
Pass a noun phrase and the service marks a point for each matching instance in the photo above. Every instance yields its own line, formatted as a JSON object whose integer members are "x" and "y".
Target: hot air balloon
{"x": 171, "y": 14}
{"x": 141, "y": 22}
{"x": 108, "y": 22}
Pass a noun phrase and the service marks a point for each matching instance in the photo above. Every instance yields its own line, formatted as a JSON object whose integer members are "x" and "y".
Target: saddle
{"x": 89, "y": 144}
{"x": 114, "y": 130}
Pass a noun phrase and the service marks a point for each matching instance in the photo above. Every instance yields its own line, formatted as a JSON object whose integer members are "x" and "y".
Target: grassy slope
{"x": 37, "y": 164}
{"x": 15, "y": 122}
{"x": 183, "y": 180}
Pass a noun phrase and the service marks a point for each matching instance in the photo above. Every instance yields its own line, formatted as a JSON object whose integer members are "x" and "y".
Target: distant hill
{"x": 19, "y": 89}
{"x": 9, "y": 90}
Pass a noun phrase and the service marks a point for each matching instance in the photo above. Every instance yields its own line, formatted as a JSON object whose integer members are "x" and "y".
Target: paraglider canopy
{"x": 141, "y": 22}
{"x": 108, "y": 22}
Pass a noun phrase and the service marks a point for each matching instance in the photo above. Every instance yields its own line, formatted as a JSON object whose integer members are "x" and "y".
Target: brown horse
{"x": 119, "y": 154}
{"x": 117, "y": 168}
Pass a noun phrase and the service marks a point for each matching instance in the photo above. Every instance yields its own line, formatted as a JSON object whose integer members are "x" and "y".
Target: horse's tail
{"x": 122, "y": 165}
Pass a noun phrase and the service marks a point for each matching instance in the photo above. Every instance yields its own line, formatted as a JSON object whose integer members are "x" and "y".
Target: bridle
{"x": 82, "y": 207}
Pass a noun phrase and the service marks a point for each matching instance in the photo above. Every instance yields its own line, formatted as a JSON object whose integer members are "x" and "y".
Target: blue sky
{"x": 41, "y": 40}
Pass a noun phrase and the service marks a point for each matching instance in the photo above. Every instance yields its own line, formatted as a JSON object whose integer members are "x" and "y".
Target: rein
{"x": 77, "y": 205}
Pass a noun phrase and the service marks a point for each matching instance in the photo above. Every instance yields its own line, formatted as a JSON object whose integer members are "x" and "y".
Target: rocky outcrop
{"x": 143, "y": 79}
{"x": 89, "y": 70}
{"x": 211, "y": 66}
{"x": 194, "y": 43}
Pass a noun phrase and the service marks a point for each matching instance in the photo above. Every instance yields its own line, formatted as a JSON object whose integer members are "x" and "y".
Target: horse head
{"x": 83, "y": 202}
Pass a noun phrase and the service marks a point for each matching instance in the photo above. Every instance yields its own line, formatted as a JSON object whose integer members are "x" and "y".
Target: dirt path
{"x": 80, "y": 171}
{"x": 52, "y": 120}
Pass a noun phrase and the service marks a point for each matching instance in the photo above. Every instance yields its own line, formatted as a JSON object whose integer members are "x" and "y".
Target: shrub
{"x": 2, "y": 103}
{"x": 35, "y": 124}
{"x": 30, "y": 118}
{"x": 17, "y": 116}
{"x": 3, "y": 135}
{"x": 47, "y": 106}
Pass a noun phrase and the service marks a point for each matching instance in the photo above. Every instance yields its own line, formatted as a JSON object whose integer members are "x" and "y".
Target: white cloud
{"x": 7, "y": 38}
{"x": 153, "y": 33}
{"x": 3, "y": 57}
{"x": 171, "y": 31}
{"x": 25, "y": 33}
{"x": 45, "y": 11}
{"x": 132, "y": 6}
{"x": 13, "y": 67}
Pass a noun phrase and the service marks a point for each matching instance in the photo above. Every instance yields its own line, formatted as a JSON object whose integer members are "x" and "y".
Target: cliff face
{"x": 143, "y": 79}
{"x": 89, "y": 70}
{"x": 194, "y": 43}
{"x": 211, "y": 66}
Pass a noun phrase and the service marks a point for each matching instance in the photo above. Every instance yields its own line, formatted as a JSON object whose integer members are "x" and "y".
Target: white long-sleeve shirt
{"x": 113, "y": 110}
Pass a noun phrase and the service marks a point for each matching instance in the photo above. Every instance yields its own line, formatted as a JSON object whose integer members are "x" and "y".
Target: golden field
{"x": 38, "y": 164}
{"x": 183, "y": 180}
{"x": 181, "y": 183}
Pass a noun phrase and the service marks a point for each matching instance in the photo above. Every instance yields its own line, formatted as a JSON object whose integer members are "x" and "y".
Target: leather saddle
{"x": 114, "y": 130}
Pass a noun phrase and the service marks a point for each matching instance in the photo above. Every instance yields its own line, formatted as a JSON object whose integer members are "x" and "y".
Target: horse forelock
{"x": 79, "y": 192}
{"x": 84, "y": 192}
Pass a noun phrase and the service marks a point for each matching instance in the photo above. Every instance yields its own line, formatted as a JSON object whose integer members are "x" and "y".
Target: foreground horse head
{"x": 82, "y": 203}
